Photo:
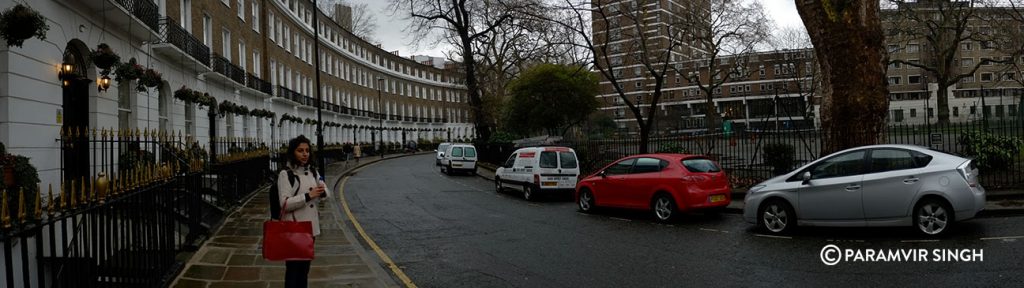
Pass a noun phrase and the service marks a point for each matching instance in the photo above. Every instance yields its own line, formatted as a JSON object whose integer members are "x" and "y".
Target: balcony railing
{"x": 254, "y": 82}
{"x": 290, "y": 95}
{"x": 173, "y": 33}
{"x": 144, "y": 10}
{"x": 224, "y": 67}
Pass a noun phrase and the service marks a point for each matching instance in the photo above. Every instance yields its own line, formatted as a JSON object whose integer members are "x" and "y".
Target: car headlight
{"x": 756, "y": 188}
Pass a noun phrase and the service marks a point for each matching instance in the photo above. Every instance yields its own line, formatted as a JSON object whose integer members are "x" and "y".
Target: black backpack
{"x": 275, "y": 197}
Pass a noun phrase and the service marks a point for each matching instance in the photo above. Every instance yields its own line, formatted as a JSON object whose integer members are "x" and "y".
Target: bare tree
{"x": 1012, "y": 45}
{"x": 848, "y": 45}
{"x": 791, "y": 38}
{"x": 934, "y": 31}
{"x": 364, "y": 22}
{"x": 621, "y": 35}
{"x": 462, "y": 23}
{"x": 723, "y": 35}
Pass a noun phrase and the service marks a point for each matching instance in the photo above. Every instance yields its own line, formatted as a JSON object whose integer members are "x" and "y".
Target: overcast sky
{"x": 390, "y": 29}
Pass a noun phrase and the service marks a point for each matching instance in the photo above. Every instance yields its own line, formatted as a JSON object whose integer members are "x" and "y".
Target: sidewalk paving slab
{"x": 232, "y": 257}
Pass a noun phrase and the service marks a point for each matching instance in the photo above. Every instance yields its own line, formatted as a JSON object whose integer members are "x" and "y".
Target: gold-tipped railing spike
{"x": 22, "y": 212}
{"x": 84, "y": 192}
{"x": 49, "y": 202}
{"x": 71, "y": 196}
{"x": 93, "y": 133}
{"x": 5, "y": 217}
{"x": 39, "y": 203}
{"x": 145, "y": 133}
{"x": 63, "y": 197}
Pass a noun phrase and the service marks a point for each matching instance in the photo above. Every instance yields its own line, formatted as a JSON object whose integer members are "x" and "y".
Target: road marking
{"x": 383, "y": 256}
{"x": 713, "y": 230}
{"x": 1002, "y": 238}
{"x": 621, "y": 219}
{"x": 840, "y": 240}
{"x": 920, "y": 241}
{"x": 773, "y": 236}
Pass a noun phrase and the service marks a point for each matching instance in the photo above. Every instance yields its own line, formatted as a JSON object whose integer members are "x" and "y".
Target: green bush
{"x": 673, "y": 148}
{"x": 779, "y": 156}
{"x": 991, "y": 151}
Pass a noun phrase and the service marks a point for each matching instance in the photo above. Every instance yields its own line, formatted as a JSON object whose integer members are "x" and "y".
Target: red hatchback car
{"x": 662, "y": 183}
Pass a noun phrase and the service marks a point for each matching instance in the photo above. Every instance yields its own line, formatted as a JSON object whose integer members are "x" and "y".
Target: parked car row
{"x": 880, "y": 185}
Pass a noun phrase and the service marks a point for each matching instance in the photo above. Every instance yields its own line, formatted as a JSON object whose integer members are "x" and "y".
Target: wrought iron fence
{"x": 173, "y": 33}
{"x": 225, "y": 67}
{"x": 145, "y": 10}
{"x": 129, "y": 202}
{"x": 254, "y": 82}
{"x": 290, "y": 95}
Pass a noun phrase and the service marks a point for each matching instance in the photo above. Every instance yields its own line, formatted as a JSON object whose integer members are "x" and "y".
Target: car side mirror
{"x": 806, "y": 177}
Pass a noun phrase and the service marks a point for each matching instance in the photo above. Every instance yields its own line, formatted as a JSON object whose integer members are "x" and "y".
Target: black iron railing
{"x": 172, "y": 32}
{"x": 225, "y": 67}
{"x": 290, "y": 95}
{"x": 254, "y": 82}
{"x": 145, "y": 10}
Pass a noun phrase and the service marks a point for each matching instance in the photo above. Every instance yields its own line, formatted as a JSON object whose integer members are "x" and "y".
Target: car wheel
{"x": 776, "y": 217}
{"x": 497, "y": 184}
{"x": 664, "y": 208}
{"x": 933, "y": 217}
{"x": 586, "y": 201}
{"x": 528, "y": 192}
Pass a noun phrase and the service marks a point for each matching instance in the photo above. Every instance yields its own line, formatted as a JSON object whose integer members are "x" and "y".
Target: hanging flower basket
{"x": 128, "y": 71}
{"x": 149, "y": 78}
{"x": 20, "y": 23}
{"x": 104, "y": 58}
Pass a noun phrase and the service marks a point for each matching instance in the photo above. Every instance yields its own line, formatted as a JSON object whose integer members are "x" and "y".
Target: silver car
{"x": 881, "y": 185}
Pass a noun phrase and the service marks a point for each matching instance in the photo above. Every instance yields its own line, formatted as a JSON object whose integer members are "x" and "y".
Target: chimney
{"x": 343, "y": 16}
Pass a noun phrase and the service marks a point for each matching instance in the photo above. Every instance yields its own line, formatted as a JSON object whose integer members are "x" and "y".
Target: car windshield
{"x": 442, "y": 147}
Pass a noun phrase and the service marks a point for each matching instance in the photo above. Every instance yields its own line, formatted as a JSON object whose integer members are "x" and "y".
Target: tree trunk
{"x": 848, "y": 43}
{"x": 645, "y": 133}
{"x": 942, "y": 102}
{"x": 483, "y": 132}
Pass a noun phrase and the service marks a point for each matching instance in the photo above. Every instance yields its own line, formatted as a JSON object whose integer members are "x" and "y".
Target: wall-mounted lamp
{"x": 103, "y": 84}
{"x": 66, "y": 72}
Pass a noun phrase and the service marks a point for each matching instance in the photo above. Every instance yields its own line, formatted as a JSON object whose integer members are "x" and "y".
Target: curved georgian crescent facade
{"x": 257, "y": 54}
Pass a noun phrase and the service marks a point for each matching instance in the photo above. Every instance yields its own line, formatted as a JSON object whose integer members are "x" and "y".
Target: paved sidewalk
{"x": 232, "y": 257}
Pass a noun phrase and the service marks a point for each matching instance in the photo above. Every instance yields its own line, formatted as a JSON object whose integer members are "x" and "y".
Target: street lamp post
{"x": 319, "y": 98}
{"x": 380, "y": 116}
{"x": 927, "y": 98}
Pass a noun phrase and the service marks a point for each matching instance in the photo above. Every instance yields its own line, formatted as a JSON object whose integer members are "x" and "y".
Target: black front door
{"x": 76, "y": 119}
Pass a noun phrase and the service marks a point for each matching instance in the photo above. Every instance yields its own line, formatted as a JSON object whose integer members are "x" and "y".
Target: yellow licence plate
{"x": 549, "y": 183}
{"x": 717, "y": 198}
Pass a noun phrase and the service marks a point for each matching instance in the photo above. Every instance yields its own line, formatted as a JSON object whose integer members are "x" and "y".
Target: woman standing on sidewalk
{"x": 299, "y": 199}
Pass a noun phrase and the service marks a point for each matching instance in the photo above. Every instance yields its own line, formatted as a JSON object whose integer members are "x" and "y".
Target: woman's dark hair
{"x": 294, "y": 145}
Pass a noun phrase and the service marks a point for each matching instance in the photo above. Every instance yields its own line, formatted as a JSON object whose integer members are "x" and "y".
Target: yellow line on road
{"x": 383, "y": 256}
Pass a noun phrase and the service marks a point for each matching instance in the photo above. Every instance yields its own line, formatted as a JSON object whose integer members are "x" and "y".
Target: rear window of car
{"x": 567, "y": 159}
{"x": 700, "y": 165}
{"x": 548, "y": 159}
{"x": 470, "y": 152}
{"x": 457, "y": 152}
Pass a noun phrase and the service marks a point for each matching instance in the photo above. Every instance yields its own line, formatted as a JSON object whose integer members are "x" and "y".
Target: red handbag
{"x": 287, "y": 240}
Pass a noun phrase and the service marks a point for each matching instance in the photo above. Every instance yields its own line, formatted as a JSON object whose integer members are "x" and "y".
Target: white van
{"x": 459, "y": 157}
{"x": 536, "y": 170}
{"x": 441, "y": 148}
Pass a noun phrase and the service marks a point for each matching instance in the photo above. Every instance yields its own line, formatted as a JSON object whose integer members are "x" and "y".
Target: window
{"x": 986, "y": 77}
{"x": 470, "y": 152}
{"x": 894, "y": 80}
{"x": 548, "y": 159}
{"x": 241, "y": 10}
{"x": 241, "y": 54}
{"x": 848, "y": 164}
{"x": 912, "y": 48}
{"x": 511, "y": 161}
{"x": 1008, "y": 76}
{"x": 186, "y": 15}
{"x": 967, "y": 46}
{"x": 207, "y": 30}
{"x": 700, "y": 165}
{"x": 895, "y": 65}
{"x": 646, "y": 165}
{"x": 966, "y": 62}
{"x": 1013, "y": 110}
{"x": 897, "y": 115}
{"x": 622, "y": 167}
{"x": 226, "y": 47}
{"x": 456, "y": 152}
{"x": 567, "y": 160}
{"x": 256, "y": 16}
{"x": 190, "y": 119}
{"x": 956, "y": 111}
{"x": 931, "y": 113}
{"x": 256, "y": 67}
{"x": 913, "y": 113}
{"x": 164, "y": 103}
{"x": 892, "y": 48}
{"x": 883, "y": 160}
{"x": 914, "y": 79}
{"x": 974, "y": 110}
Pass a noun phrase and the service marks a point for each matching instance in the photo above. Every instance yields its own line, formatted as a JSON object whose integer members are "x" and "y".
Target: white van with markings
{"x": 544, "y": 170}
{"x": 459, "y": 157}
